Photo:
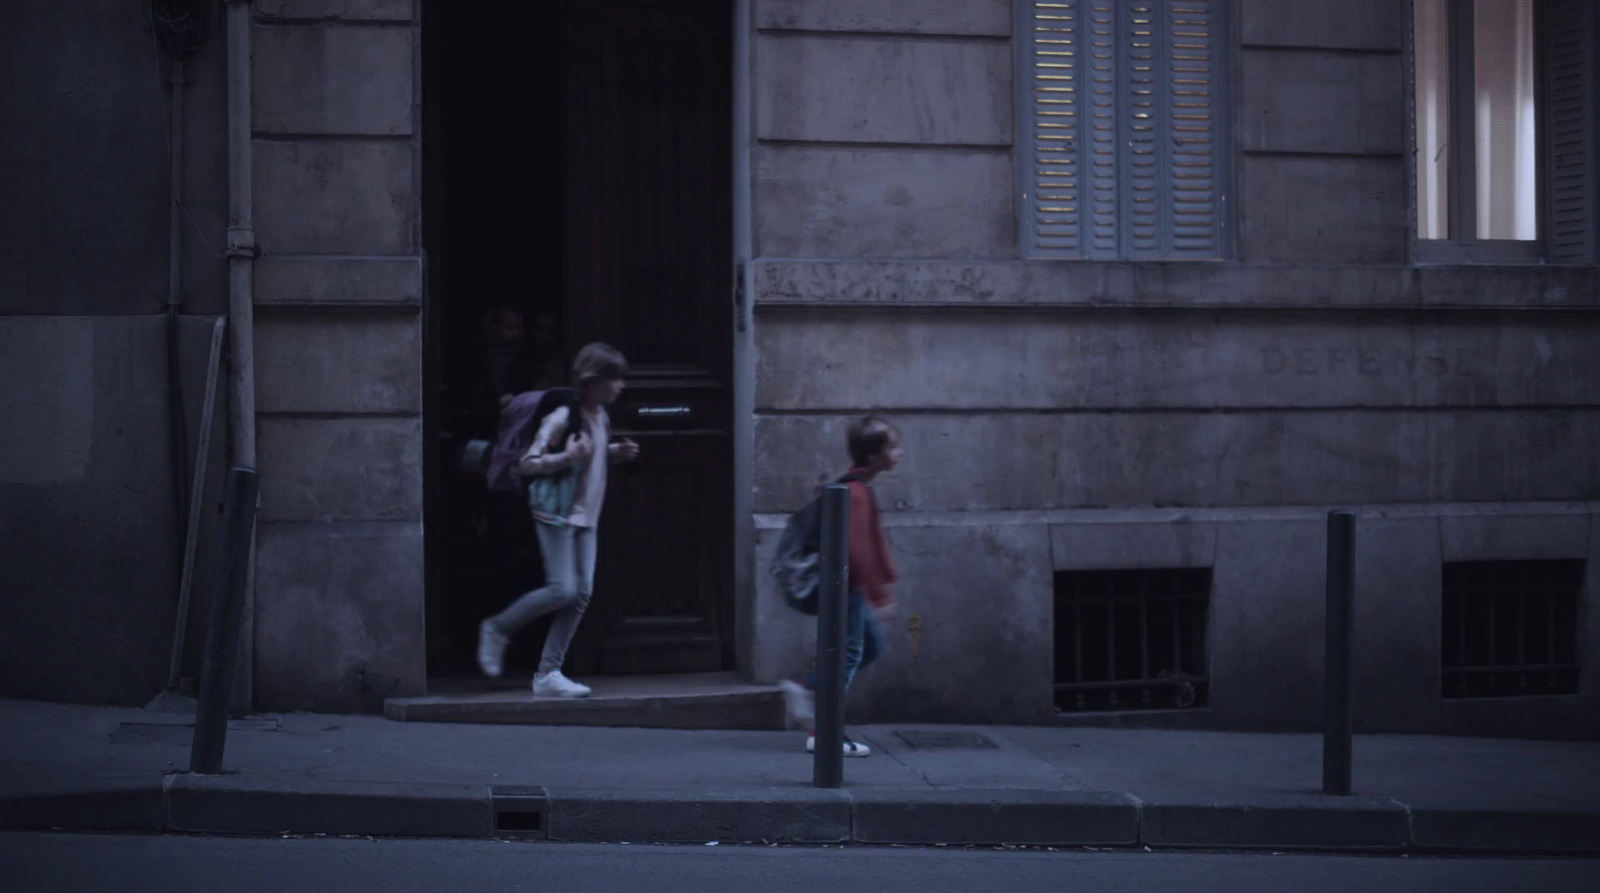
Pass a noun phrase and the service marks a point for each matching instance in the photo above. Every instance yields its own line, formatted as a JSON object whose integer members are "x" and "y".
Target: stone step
{"x": 679, "y": 701}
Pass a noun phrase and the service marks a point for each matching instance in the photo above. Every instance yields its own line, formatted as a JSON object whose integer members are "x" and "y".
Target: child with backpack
{"x": 874, "y": 449}
{"x": 564, "y": 471}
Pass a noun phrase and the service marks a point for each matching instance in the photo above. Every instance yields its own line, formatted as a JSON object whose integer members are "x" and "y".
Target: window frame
{"x": 1463, "y": 245}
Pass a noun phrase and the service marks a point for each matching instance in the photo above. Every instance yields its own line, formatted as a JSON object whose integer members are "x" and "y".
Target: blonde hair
{"x": 598, "y": 361}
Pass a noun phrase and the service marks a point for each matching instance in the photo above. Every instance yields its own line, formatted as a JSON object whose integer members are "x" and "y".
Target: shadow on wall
{"x": 88, "y": 536}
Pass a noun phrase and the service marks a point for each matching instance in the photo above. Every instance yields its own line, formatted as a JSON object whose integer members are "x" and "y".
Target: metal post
{"x": 1337, "y": 714}
{"x": 242, "y": 251}
{"x": 196, "y": 495}
{"x": 834, "y": 566}
{"x": 227, "y": 608}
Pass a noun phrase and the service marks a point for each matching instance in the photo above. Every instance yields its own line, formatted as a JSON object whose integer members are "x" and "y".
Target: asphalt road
{"x": 64, "y": 863}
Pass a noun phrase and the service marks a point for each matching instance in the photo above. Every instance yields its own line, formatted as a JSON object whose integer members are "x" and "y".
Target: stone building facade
{"x": 1114, "y": 422}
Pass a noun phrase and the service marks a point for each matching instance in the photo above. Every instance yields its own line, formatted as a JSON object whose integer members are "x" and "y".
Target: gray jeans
{"x": 569, "y": 575}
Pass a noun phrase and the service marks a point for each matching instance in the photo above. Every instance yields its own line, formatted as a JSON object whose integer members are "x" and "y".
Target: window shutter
{"x": 1103, "y": 137}
{"x": 1571, "y": 128}
{"x": 1142, "y": 89}
{"x": 1052, "y": 159}
{"x": 1198, "y": 157}
{"x": 1123, "y": 153}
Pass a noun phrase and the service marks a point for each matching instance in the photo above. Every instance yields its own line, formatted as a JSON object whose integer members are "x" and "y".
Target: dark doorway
{"x": 577, "y": 175}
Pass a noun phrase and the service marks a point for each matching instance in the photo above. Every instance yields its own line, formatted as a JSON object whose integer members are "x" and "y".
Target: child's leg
{"x": 872, "y": 640}
{"x": 565, "y": 624}
{"x": 863, "y": 643}
{"x": 855, "y": 643}
{"x": 561, "y": 590}
{"x": 856, "y": 655}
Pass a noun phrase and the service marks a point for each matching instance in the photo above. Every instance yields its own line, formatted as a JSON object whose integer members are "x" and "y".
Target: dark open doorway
{"x": 577, "y": 168}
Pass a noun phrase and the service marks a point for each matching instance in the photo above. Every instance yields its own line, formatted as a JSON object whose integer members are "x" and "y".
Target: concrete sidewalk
{"x": 90, "y": 768}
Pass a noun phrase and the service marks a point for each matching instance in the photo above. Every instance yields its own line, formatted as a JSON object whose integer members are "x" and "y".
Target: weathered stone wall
{"x": 90, "y": 546}
{"x": 1058, "y": 415}
{"x": 339, "y": 586}
{"x": 980, "y": 583}
{"x": 1064, "y": 415}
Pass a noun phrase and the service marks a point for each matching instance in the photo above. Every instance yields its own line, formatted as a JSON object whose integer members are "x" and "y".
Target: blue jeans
{"x": 569, "y": 554}
{"x": 863, "y": 642}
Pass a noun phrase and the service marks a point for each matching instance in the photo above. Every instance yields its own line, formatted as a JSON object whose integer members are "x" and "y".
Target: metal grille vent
{"x": 1131, "y": 639}
{"x": 927, "y": 740}
{"x": 1511, "y": 628}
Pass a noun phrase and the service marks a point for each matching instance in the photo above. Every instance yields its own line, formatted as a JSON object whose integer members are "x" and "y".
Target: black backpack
{"x": 796, "y": 564}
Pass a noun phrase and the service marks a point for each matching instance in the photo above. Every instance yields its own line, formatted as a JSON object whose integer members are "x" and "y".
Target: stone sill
{"x": 339, "y": 281}
{"x": 809, "y": 283}
{"x": 1153, "y": 515}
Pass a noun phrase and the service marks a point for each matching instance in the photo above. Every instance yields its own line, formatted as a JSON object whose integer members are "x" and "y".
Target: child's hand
{"x": 579, "y": 448}
{"x": 885, "y": 612}
{"x": 625, "y": 449}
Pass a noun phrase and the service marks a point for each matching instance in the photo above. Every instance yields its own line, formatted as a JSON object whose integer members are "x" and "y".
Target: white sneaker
{"x": 851, "y": 748}
{"x": 555, "y": 685}
{"x": 800, "y": 702}
{"x": 491, "y": 649}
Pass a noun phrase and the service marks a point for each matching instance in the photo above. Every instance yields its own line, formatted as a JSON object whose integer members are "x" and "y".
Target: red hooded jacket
{"x": 872, "y": 569}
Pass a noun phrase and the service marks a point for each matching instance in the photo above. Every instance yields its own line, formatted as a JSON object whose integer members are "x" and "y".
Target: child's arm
{"x": 623, "y": 450}
{"x": 867, "y": 572}
{"x": 539, "y": 461}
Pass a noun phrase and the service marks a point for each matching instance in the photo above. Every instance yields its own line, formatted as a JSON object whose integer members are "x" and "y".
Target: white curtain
{"x": 1433, "y": 118}
{"x": 1505, "y": 119}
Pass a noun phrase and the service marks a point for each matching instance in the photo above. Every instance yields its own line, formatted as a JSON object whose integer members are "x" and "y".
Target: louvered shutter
{"x": 1123, "y": 154}
{"x": 1052, "y": 157}
{"x": 1571, "y": 129}
{"x": 1142, "y": 114}
{"x": 1197, "y": 152}
{"x": 1103, "y": 136}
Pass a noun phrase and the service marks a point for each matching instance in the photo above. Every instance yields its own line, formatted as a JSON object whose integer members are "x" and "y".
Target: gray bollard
{"x": 833, "y": 589}
{"x": 1337, "y": 713}
{"x": 222, "y": 636}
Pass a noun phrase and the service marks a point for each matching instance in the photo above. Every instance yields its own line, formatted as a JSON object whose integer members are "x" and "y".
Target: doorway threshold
{"x": 672, "y": 701}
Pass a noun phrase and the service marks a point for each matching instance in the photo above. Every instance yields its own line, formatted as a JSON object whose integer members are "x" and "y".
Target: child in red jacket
{"x": 874, "y": 449}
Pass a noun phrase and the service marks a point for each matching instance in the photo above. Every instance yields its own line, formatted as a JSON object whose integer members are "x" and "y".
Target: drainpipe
{"x": 179, "y": 27}
{"x": 241, "y": 238}
{"x": 179, "y": 434}
{"x": 241, "y": 280}
{"x": 177, "y": 429}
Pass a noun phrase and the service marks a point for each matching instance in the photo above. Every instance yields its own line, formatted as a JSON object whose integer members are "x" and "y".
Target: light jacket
{"x": 553, "y": 479}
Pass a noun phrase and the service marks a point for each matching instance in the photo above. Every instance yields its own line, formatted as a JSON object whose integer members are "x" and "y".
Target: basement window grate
{"x": 1131, "y": 639}
{"x": 1510, "y": 628}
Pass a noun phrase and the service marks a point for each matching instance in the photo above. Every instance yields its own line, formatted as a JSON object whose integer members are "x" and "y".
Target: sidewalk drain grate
{"x": 946, "y": 740}
{"x": 519, "y": 812}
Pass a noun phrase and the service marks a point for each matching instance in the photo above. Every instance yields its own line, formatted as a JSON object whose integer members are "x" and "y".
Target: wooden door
{"x": 649, "y": 252}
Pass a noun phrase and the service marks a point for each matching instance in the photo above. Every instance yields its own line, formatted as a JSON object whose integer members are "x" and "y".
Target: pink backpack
{"x": 519, "y": 425}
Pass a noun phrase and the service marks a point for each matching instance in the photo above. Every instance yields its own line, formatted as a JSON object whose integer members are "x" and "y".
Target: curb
{"x": 1450, "y": 828}
{"x": 1029, "y": 818}
{"x": 118, "y": 804}
{"x": 771, "y": 815}
{"x": 1286, "y": 822}
{"x": 254, "y": 805}
{"x": 269, "y": 805}
{"x": 263, "y": 805}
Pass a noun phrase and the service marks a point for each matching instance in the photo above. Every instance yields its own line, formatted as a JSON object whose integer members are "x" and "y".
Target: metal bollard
{"x": 833, "y": 589}
{"x": 1337, "y": 713}
{"x": 222, "y": 636}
